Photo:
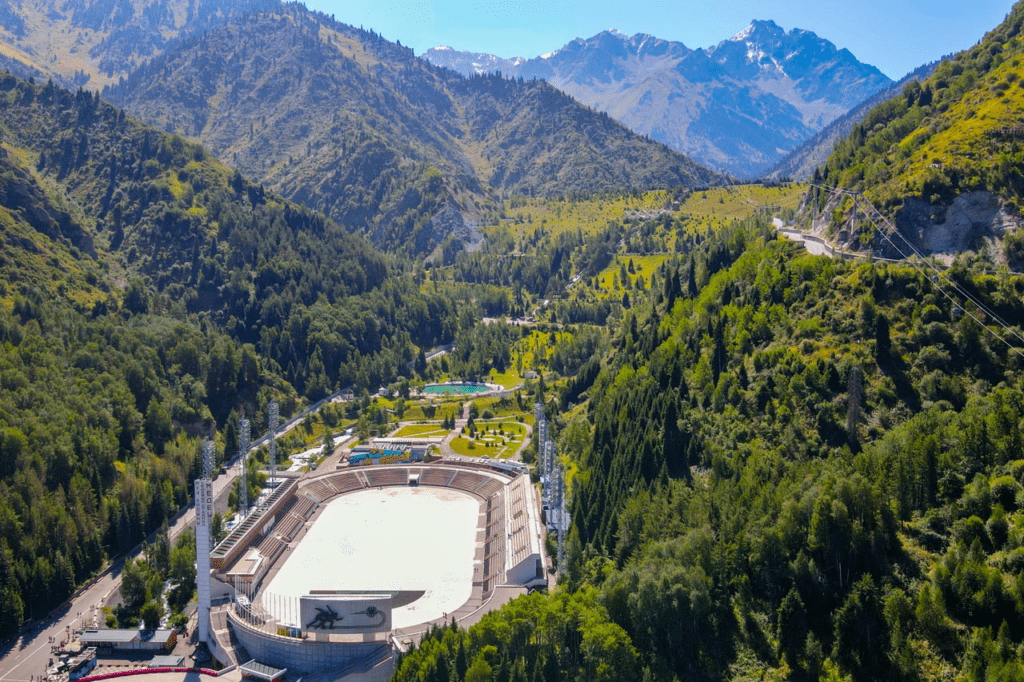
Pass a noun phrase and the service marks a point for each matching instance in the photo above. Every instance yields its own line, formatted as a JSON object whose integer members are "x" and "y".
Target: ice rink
{"x": 395, "y": 538}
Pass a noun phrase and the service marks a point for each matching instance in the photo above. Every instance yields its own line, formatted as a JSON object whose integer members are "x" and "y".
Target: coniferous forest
{"x": 780, "y": 465}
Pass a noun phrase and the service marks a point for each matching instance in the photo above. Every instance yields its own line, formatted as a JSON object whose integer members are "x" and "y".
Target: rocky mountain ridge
{"x": 740, "y": 105}
{"x": 942, "y": 159}
{"x": 800, "y": 163}
{"x": 343, "y": 121}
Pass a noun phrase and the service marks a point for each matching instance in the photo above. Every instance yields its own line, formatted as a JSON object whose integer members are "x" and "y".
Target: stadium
{"x": 337, "y": 571}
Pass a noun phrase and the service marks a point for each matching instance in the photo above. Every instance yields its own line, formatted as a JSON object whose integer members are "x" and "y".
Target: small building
{"x": 82, "y": 664}
{"x": 172, "y": 661}
{"x": 260, "y": 672}
{"x": 130, "y": 640}
{"x": 385, "y": 454}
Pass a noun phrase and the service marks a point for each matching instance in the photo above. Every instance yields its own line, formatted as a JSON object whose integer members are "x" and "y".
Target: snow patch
{"x": 745, "y": 33}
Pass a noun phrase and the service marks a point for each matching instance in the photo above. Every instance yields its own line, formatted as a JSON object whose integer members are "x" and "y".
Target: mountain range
{"x": 779, "y": 465}
{"x": 739, "y": 106}
{"x": 345, "y": 122}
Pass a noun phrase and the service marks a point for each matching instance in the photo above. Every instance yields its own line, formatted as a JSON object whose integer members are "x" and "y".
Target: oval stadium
{"x": 339, "y": 571}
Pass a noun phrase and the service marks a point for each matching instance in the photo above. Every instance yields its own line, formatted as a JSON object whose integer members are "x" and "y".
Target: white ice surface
{"x": 395, "y": 538}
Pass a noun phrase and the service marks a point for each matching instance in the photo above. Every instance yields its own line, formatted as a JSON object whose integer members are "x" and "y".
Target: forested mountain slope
{"x": 347, "y": 123}
{"x": 788, "y": 467}
{"x": 162, "y": 208}
{"x": 946, "y": 157}
{"x": 148, "y": 296}
{"x": 801, "y": 163}
{"x": 95, "y": 42}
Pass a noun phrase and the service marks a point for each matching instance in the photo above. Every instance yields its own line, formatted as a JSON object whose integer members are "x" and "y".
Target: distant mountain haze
{"x": 739, "y": 106}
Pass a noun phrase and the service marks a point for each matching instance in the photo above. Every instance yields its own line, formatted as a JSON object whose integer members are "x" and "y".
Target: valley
{"x": 779, "y": 464}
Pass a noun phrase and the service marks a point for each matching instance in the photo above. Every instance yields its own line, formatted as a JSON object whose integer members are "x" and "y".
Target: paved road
{"x": 28, "y": 657}
{"x": 814, "y": 245}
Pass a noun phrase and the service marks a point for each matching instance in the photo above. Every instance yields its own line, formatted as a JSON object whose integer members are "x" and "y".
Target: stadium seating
{"x": 381, "y": 477}
{"x": 288, "y": 526}
{"x": 434, "y": 476}
{"x": 519, "y": 527}
{"x": 346, "y": 482}
{"x": 320, "y": 489}
{"x": 271, "y": 547}
{"x": 303, "y": 507}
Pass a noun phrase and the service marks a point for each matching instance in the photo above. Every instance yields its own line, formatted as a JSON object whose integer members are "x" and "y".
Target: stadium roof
{"x": 114, "y": 637}
{"x": 103, "y": 636}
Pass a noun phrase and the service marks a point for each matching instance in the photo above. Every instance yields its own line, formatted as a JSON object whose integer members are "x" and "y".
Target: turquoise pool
{"x": 456, "y": 389}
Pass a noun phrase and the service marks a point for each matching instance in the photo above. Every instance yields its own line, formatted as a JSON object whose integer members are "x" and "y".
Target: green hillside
{"x": 780, "y": 466}
{"x": 955, "y": 132}
{"x": 148, "y": 297}
{"x": 100, "y": 42}
{"x": 786, "y": 467}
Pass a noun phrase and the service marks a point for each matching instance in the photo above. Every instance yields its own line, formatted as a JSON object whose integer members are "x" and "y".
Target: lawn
{"x": 507, "y": 379}
{"x": 590, "y": 216}
{"x": 490, "y": 441}
{"x": 420, "y": 431}
{"x": 504, "y": 409}
{"x": 532, "y": 351}
{"x": 741, "y": 201}
{"x": 642, "y": 266}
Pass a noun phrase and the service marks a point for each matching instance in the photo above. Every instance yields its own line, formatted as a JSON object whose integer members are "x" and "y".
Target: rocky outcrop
{"x": 974, "y": 221}
{"x": 22, "y": 195}
{"x": 971, "y": 222}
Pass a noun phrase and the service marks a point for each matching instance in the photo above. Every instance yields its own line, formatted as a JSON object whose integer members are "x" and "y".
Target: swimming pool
{"x": 456, "y": 389}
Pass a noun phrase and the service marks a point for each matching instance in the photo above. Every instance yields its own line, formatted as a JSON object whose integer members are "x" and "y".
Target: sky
{"x": 896, "y": 36}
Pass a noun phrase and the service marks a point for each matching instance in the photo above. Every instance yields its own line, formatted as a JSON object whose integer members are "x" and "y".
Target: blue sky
{"x": 894, "y": 35}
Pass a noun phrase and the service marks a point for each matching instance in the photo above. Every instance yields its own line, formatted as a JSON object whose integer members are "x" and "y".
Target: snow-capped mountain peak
{"x": 748, "y": 100}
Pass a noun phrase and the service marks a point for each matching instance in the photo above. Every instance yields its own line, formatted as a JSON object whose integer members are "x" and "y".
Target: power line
{"x": 939, "y": 273}
{"x": 876, "y": 217}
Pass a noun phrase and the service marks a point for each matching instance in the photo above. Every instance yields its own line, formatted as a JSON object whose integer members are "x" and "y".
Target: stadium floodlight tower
{"x": 561, "y": 516}
{"x": 204, "y": 521}
{"x": 542, "y": 435}
{"x": 244, "y": 442}
{"x": 550, "y": 465}
{"x": 272, "y": 431}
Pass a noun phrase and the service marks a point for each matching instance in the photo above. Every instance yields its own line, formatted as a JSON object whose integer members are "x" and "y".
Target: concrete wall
{"x": 308, "y": 655}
